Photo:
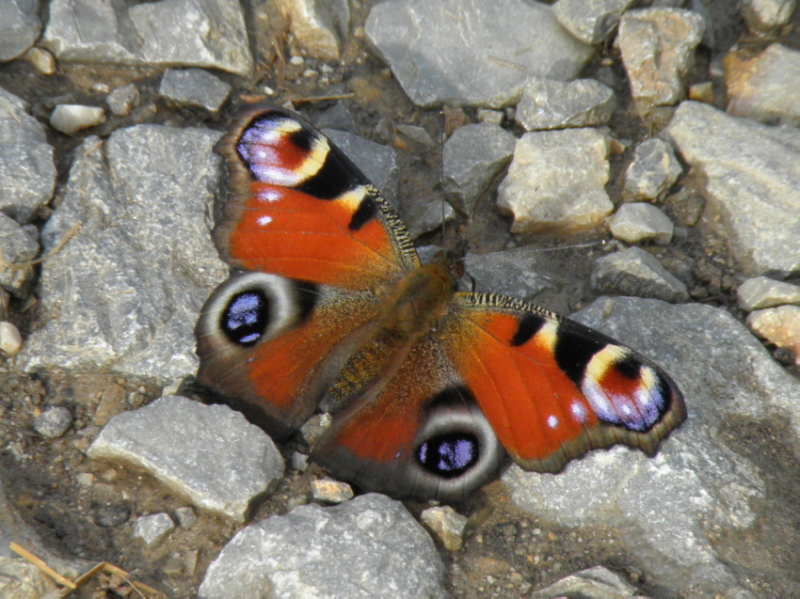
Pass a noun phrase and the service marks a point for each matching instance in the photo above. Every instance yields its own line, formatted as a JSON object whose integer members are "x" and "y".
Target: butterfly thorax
{"x": 418, "y": 301}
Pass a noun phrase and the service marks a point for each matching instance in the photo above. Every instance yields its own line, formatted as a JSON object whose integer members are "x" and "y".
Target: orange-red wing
{"x": 553, "y": 389}
{"x": 271, "y": 346}
{"x": 301, "y": 209}
{"x": 418, "y": 433}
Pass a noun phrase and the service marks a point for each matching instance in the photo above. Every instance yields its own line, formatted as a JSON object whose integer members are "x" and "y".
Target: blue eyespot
{"x": 449, "y": 455}
{"x": 246, "y": 317}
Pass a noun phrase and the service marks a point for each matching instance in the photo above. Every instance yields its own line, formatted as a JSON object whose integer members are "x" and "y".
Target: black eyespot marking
{"x": 367, "y": 210}
{"x": 333, "y": 179}
{"x": 629, "y": 367}
{"x": 528, "y": 327}
{"x": 303, "y": 139}
{"x": 246, "y": 317}
{"x": 574, "y": 351}
{"x": 307, "y": 298}
{"x": 449, "y": 455}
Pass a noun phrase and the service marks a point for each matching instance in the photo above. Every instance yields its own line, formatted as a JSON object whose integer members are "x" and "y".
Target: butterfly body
{"x": 430, "y": 388}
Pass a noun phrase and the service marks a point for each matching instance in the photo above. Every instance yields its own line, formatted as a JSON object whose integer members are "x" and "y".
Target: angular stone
{"x": 766, "y": 16}
{"x": 317, "y": 27}
{"x": 17, "y": 250}
{"x": 211, "y": 454}
{"x": 548, "y": 104}
{"x": 447, "y": 524}
{"x": 27, "y": 170}
{"x": 367, "y": 547}
{"x": 764, "y": 88}
{"x": 20, "y": 579}
{"x": 780, "y": 326}
{"x": 657, "y": 47}
{"x": 752, "y": 184}
{"x": 199, "y": 33}
{"x": 19, "y": 27}
{"x": 125, "y": 292}
{"x": 653, "y": 171}
{"x": 151, "y": 530}
{"x": 763, "y": 292}
{"x": 597, "y": 582}
{"x": 556, "y": 181}
{"x": 635, "y": 272}
{"x": 637, "y": 222}
{"x": 194, "y": 87}
{"x": 472, "y": 52}
{"x": 510, "y": 272}
{"x": 122, "y": 99}
{"x": 591, "y": 21}
{"x": 471, "y": 158}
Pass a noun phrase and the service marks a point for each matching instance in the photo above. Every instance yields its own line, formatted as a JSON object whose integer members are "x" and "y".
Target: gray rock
{"x": 591, "y": 21}
{"x": 211, "y": 454}
{"x": 766, "y": 16}
{"x": 186, "y": 517}
{"x": 653, "y": 171}
{"x": 549, "y": 104}
{"x": 594, "y": 583}
{"x": 194, "y": 87}
{"x": 511, "y": 272}
{"x": 636, "y": 222}
{"x": 472, "y": 157}
{"x": 779, "y": 326}
{"x": 199, "y": 33}
{"x": 71, "y": 118}
{"x": 673, "y": 511}
{"x": 122, "y": 99}
{"x": 764, "y": 88}
{"x": 317, "y": 27}
{"x": 763, "y": 292}
{"x": 151, "y": 530}
{"x": 635, "y": 272}
{"x": 752, "y": 184}
{"x": 20, "y": 579}
{"x": 379, "y": 163}
{"x": 91, "y": 31}
{"x": 19, "y": 27}
{"x": 125, "y": 292}
{"x": 53, "y": 422}
{"x": 368, "y": 547}
{"x": 417, "y": 135}
{"x": 556, "y": 181}
{"x": 472, "y": 52}
{"x": 17, "y": 250}
{"x": 27, "y": 170}
{"x": 657, "y": 47}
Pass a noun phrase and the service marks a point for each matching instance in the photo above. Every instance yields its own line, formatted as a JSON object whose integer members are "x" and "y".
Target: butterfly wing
{"x": 419, "y": 434}
{"x": 553, "y": 389}
{"x": 301, "y": 209}
{"x": 315, "y": 242}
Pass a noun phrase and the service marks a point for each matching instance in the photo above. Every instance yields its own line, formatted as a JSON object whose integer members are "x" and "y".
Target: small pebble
{"x": 447, "y": 524}
{"x": 10, "y": 338}
{"x": 42, "y": 60}
{"x": 53, "y": 422}
{"x": 185, "y": 516}
{"x": 111, "y": 516}
{"x": 152, "y": 529}
{"x": 71, "y": 118}
{"x": 331, "y": 491}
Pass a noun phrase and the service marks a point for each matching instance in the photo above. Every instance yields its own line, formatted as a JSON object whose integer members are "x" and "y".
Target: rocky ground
{"x": 664, "y": 152}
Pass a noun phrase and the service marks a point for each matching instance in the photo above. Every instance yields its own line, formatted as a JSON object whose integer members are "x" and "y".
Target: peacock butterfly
{"x": 430, "y": 387}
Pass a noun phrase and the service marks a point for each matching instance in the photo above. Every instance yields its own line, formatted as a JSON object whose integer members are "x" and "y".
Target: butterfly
{"x": 430, "y": 388}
